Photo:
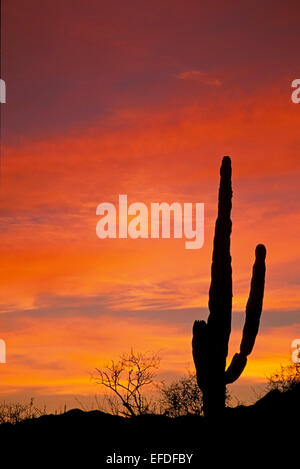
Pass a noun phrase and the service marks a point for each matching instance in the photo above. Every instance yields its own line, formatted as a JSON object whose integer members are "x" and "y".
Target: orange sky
{"x": 141, "y": 100}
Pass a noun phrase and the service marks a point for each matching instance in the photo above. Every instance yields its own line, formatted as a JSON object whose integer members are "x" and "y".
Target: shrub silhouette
{"x": 210, "y": 340}
{"x": 182, "y": 397}
{"x": 285, "y": 379}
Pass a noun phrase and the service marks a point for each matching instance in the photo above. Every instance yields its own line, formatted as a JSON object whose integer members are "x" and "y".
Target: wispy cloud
{"x": 201, "y": 77}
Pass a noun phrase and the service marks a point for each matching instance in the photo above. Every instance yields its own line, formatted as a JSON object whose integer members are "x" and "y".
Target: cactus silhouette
{"x": 210, "y": 339}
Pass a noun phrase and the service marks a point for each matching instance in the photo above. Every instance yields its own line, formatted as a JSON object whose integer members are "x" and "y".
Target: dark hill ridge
{"x": 265, "y": 428}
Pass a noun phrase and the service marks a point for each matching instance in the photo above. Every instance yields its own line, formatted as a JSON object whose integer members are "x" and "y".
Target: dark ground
{"x": 254, "y": 435}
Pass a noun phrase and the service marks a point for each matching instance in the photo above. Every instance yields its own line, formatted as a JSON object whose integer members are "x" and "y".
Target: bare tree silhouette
{"x": 126, "y": 379}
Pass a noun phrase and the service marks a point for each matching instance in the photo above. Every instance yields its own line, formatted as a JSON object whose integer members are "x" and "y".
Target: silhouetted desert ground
{"x": 262, "y": 432}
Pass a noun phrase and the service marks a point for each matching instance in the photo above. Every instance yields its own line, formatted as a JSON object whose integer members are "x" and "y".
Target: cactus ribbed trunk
{"x": 210, "y": 340}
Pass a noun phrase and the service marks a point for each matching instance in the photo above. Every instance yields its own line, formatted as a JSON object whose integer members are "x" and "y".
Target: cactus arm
{"x": 255, "y": 301}
{"x": 253, "y": 313}
{"x": 235, "y": 368}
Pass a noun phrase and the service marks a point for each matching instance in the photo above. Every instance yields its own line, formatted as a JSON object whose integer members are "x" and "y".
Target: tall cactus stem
{"x": 210, "y": 340}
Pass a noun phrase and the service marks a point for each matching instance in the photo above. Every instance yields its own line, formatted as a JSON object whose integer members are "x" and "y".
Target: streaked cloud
{"x": 201, "y": 77}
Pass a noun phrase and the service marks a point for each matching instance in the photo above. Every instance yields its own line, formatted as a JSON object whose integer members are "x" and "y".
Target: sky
{"x": 144, "y": 99}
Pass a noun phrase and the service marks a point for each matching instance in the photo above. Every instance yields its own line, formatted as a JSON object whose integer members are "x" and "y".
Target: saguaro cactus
{"x": 210, "y": 339}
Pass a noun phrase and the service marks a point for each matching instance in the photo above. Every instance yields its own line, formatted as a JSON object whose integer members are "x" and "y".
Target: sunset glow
{"x": 142, "y": 100}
